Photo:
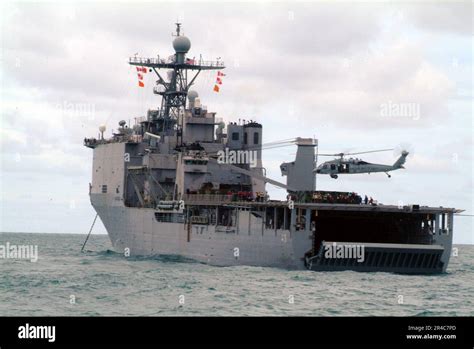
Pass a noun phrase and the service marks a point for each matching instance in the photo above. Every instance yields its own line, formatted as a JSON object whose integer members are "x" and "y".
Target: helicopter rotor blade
{"x": 362, "y": 152}
{"x": 370, "y": 151}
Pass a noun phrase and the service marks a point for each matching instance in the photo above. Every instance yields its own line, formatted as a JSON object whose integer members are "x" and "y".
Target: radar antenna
{"x": 178, "y": 28}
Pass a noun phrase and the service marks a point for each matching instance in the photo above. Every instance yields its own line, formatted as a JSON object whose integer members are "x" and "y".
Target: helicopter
{"x": 350, "y": 166}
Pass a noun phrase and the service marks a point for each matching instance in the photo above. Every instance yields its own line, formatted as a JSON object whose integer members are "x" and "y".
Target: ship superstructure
{"x": 181, "y": 182}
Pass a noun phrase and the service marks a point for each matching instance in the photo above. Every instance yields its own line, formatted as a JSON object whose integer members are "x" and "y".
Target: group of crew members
{"x": 315, "y": 197}
{"x": 327, "y": 197}
{"x": 247, "y": 196}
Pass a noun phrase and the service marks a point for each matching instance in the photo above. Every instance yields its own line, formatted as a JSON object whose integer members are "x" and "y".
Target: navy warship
{"x": 181, "y": 182}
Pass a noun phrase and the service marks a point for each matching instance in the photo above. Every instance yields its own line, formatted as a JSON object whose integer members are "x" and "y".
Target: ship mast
{"x": 175, "y": 88}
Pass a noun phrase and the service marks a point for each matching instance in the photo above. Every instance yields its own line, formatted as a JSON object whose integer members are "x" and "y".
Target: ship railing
{"x": 93, "y": 142}
{"x": 193, "y": 62}
{"x": 207, "y": 63}
{"x": 143, "y": 60}
{"x": 206, "y": 198}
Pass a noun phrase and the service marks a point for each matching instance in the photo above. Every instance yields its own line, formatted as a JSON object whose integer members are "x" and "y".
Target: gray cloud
{"x": 451, "y": 17}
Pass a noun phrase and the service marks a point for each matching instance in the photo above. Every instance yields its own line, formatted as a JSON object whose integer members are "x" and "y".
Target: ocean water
{"x": 99, "y": 282}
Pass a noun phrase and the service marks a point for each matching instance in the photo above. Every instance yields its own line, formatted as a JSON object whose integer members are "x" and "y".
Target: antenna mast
{"x": 174, "y": 88}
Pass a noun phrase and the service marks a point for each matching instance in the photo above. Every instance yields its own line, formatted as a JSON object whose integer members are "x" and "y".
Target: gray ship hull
{"x": 136, "y": 231}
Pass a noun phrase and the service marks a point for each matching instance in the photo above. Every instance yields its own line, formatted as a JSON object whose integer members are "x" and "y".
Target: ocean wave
{"x": 105, "y": 282}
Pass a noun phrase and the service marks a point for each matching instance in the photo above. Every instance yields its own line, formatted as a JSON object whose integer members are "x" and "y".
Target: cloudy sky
{"x": 356, "y": 76}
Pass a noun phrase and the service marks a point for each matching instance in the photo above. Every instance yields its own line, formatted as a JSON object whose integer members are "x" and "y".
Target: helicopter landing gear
{"x": 334, "y": 176}
{"x": 389, "y": 176}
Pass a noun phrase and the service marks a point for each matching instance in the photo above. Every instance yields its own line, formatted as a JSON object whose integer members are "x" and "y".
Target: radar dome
{"x": 181, "y": 44}
{"x": 192, "y": 95}
{"x": 102, "y": 128}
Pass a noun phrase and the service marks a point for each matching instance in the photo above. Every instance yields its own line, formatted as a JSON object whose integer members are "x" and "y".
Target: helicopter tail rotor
{"x": 404, "y": 148}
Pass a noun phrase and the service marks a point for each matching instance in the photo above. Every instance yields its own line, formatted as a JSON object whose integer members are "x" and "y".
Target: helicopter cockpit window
{"x": 333, "y": 167}
{"x": 325, "y": 167}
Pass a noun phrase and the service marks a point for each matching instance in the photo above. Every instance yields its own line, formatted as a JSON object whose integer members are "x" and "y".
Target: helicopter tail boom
{"x": 401, "y": 160}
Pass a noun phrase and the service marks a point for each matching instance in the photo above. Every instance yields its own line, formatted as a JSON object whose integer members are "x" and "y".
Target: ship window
{"x": 195, "y": 162}
{"x": 235, "y": 136}
{"x": 163, "y": 217}
{"x": 444, "y": 223}
{"x": 255, "y": 138}
{"x": 104, "y": 188}
{"x": 169, "y": 217}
